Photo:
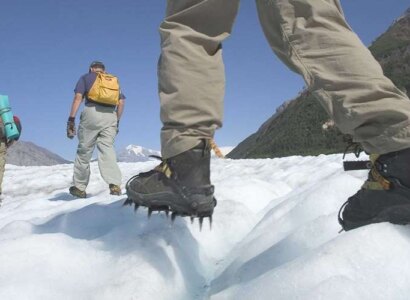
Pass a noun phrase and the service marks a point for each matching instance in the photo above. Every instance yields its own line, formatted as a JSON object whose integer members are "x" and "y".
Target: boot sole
{"x": 163, "y": 201}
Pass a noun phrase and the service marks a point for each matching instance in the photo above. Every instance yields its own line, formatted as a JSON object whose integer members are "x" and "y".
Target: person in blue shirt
{"x": 98, "y": 127}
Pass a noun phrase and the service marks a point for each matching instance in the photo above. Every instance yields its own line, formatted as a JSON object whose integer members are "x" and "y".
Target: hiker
{"x": 98, "y": 126}
{"x": 5, "y": 144}
{"x": 313, "y": 39}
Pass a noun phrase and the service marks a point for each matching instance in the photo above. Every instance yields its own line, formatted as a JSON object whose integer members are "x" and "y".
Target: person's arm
{"x": 78, "y": 98}
{"x": 120, "y": 109}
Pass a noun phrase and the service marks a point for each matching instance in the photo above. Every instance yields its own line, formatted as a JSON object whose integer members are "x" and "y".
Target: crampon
{"x": 168, "y": 211}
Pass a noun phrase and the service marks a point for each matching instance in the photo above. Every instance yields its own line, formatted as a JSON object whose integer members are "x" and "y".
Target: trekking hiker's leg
{"x": 191, "y": 71}
{"x": 107, "y": 159}
{"x": 313, "y": 39}
{"x": 191, "y": 87}
{"x": 87, "y": 137}
{"x": 3, "y": 152}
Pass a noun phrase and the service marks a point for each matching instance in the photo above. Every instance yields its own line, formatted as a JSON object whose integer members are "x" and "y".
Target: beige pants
{"x": 311, "y": 37}
{"x": 98, "y": 127}
{"x": 3, "y": 152}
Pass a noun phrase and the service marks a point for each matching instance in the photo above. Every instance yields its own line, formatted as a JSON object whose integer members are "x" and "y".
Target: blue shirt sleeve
{"x": 80, "y": 86}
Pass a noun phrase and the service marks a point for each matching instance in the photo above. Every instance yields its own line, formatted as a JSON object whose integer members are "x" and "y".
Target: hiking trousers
{"x": 3, "y": 152}
{"x": 310, "y": 36}
{"x": 98, "y": 127}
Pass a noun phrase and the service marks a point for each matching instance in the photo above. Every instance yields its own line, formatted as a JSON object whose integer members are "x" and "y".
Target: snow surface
{"x": 274, "y": 236}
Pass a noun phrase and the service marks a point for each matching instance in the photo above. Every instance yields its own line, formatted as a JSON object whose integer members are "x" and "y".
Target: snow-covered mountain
{"x": 134, "y": 153}
{"x": 275, "y": 236}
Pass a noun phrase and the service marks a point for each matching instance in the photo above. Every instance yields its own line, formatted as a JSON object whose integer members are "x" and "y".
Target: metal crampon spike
{"x": 136, "y": 206}
{"x": 167, "y": 212}
{"x": 149, "y": 212}
{"x": 192, "y": 220}
{"x": 201, "y": 220}
{"x": 173, "y": 216}
{"x": 127, "y": 202}
{"x": 210, "y": 222}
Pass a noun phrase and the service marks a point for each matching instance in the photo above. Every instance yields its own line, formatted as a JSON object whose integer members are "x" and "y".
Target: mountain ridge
{"x": 24, "y": 153}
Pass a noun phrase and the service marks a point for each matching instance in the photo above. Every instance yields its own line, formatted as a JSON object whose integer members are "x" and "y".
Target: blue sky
{"x": 47, "y": 44}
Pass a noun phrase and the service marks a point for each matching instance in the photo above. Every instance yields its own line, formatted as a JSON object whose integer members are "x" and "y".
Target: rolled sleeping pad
{"x": 7, "y": 118}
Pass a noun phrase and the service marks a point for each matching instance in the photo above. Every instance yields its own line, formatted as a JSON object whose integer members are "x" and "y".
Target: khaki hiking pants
{"x": 98, "y": 126}
{"x": 310, "y": 36}
{"x": 3, "y": 152}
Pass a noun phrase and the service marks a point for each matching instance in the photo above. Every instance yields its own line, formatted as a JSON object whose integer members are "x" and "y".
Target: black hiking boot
{"x": 180, "y": 184}
{"x": 76, "y": 192}
{"x": 385, "y": 196}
